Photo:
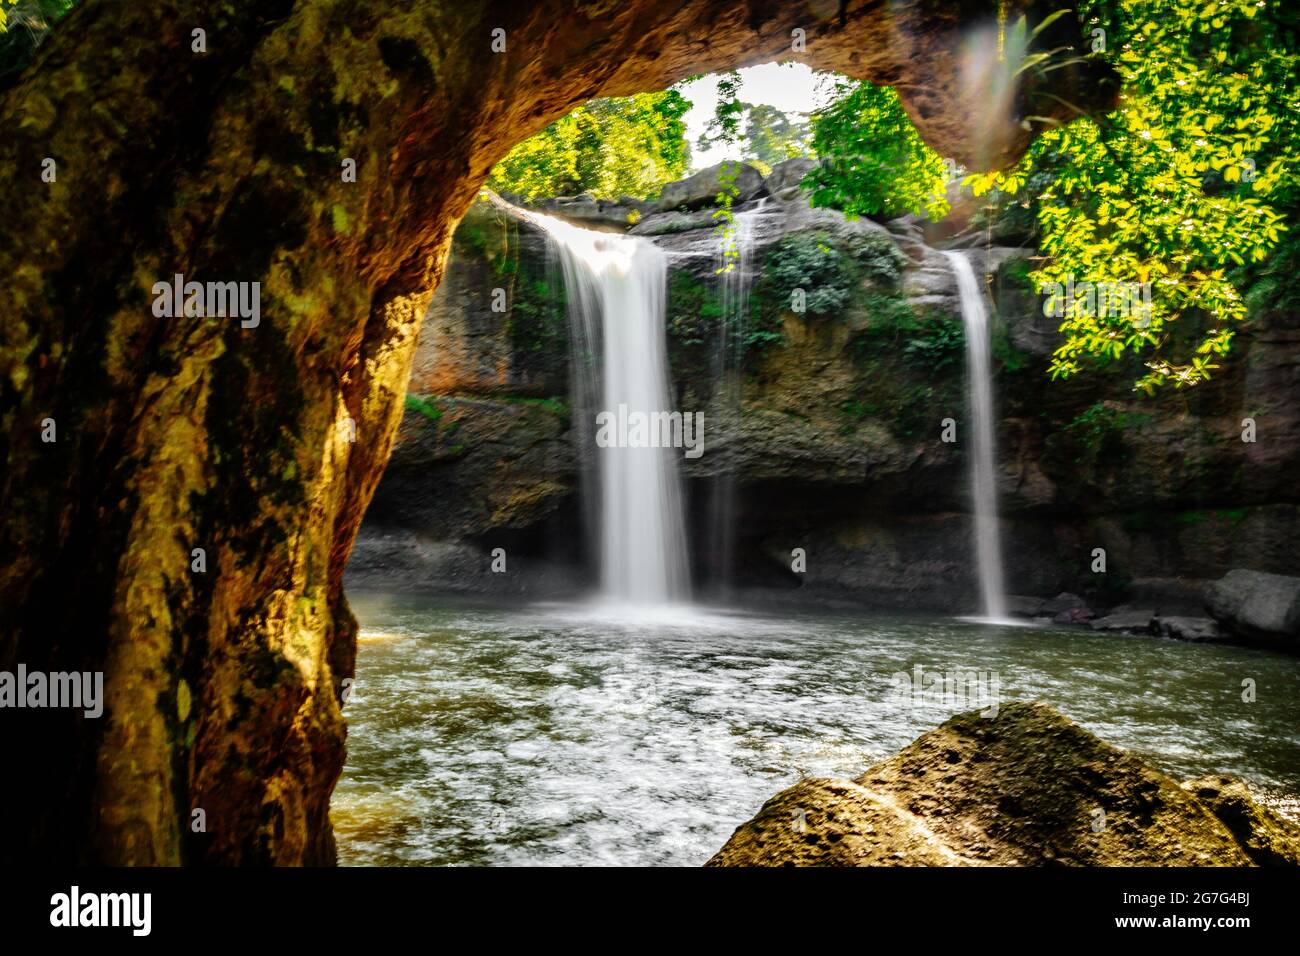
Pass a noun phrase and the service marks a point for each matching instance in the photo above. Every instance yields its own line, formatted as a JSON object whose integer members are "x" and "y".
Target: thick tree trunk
{"x": 222, "y": 687}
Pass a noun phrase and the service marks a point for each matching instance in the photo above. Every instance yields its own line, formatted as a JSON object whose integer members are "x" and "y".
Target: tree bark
{"x": 222, "y": 687}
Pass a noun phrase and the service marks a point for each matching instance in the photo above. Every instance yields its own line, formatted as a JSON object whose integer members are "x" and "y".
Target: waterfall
{"x": 988, "y": 550}
{"x": 616, "y": 288}
{"x": 736, "y": 277}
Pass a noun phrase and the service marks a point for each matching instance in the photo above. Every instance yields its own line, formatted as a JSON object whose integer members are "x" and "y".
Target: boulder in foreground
{"x": 1027, "y": 788}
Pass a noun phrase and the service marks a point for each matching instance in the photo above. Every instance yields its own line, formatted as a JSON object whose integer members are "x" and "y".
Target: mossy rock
{"x": 1025, "y": 787}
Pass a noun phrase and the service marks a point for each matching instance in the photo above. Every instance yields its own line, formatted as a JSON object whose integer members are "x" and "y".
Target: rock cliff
{"x": 836, "y": 440}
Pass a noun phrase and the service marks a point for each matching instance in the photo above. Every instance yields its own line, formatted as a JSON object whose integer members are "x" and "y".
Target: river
{"x": 564, "y": 734}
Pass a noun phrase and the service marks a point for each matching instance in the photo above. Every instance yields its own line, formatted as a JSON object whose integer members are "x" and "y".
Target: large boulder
{"x": 783, "y": 181}
{"x": 702, "y": 189}
{"x": 1255, "y": 605}
{"x": 1027, "y": 787}
{"x": 498, "y": 466}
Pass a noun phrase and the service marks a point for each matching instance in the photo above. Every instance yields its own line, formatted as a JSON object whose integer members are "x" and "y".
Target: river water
{"x": 554, "y": 734}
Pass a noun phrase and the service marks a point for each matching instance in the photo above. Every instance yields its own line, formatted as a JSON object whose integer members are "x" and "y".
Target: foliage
{"x": 763, "y": 330}
{"x": 1195, "y": 517}
{"x": 880, "y": 259}
{"x": 422, "y": 406}
{"x": 724, "y": 216}
{"x": 727, "y": 115}
{"x": 942, "y": 345}
{"x": 769, "y": 136}
{"x": 809, "y": 261}
{"x": 694, "y": 311}
{"x": 555, "y": 405}
{"x": 1182, "y": 186}
{"x": 696, "y": 317}
{"x": 725, "y": 128}
{"x": 1186, "y": 186}
{"x": 1007, "y": 356}
{"x": 629, "y": 146}
{"x": 835, "y": 273}
{"x": 926, "y": 341}
{"x": 828, "y": 270}
{"x": 1274, "y": 283}
{"x": 1099, "y": 433}
{"x": 535, "y": 294}
{"x": 772, "y": 137}
{"x": 873, "y": 159}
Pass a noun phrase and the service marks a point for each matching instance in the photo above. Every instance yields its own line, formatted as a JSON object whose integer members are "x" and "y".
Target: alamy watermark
{"x": 75, "y": 908}
{"x": 1106, "y": 299}
{"x": 625, "y": 429}
{"x": 958, "y": 688}
{"x": 209, "y": 299}
{"x": 77, "y": 690}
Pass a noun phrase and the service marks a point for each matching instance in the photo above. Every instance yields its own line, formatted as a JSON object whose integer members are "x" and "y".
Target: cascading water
{"x": 616, "y": 288}
{"x": 736, "y": 276}
{"x": 988, "y": 549}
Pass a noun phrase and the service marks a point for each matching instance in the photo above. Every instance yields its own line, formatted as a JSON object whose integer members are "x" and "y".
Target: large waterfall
{"x": 988, "y": 549}
{"x": 616, "y": 288}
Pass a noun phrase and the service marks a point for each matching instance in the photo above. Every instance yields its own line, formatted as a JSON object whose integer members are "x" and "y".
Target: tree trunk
{"x": 222, "y": 686}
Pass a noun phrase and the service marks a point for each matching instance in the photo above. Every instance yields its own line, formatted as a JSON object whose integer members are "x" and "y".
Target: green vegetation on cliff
{"x": 536, "y": 298}
{"x": 694, "y": 310}
{"x": 423, "y": 406}
{"x": 827, "y": 270}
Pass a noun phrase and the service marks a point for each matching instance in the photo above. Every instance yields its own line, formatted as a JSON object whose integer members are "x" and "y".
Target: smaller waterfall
{"x": 735, "y": 278}
{"x": 988, "y": 549}
{"x": 617, "y": 286}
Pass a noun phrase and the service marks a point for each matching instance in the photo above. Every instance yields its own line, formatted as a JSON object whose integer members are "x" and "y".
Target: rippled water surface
{"x": 566, "y": 735}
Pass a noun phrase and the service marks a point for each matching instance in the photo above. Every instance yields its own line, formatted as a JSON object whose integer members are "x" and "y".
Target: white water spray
{"x": 616, "y": 286}
{"x": 988, "y": 549}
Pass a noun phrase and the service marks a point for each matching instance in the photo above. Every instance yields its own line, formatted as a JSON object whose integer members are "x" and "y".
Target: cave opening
{"x": 230, "y": 163}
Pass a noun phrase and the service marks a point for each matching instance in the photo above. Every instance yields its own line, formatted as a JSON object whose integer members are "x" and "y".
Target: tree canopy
{"x": 874, "y": 160}
{"x": 766, "y": 135}
{"x": 626, "y": 146}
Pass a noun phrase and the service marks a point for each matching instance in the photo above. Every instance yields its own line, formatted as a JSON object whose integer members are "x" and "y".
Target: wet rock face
{"x": 176, "y": 434}
{"x": 1024, "y": 788}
